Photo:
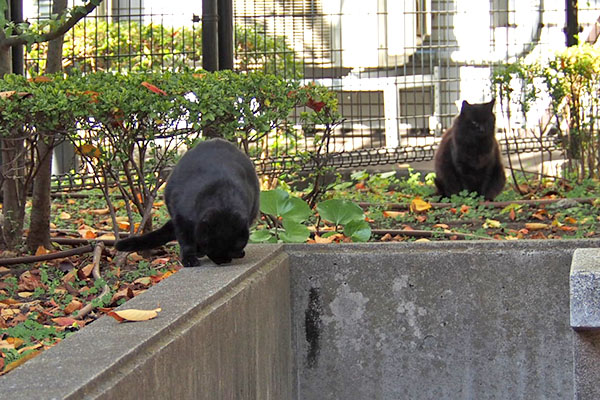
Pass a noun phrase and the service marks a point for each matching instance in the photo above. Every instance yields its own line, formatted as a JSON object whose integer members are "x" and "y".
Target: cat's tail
{"x": 149, "y": 240}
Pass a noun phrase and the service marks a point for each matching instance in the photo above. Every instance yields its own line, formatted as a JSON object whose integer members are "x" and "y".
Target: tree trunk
{"x": 11, "y": 204}
{"x": 13, "y": 188}
{"x": 39, "y": 225}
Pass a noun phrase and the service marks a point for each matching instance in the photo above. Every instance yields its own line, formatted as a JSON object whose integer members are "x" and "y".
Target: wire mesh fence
{"x": 399, "y": 67}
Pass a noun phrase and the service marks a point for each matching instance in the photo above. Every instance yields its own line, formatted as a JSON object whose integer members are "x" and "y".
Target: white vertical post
{"x": 390, "y": 109}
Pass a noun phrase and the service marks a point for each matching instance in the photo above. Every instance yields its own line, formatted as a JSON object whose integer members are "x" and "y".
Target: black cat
{"x": 468, "y": 156}
{"x": 213, "y": 197}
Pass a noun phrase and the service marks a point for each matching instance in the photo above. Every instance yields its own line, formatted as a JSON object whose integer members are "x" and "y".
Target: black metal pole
{"x": 225, "y": 8}
{"x": 210, "y": 35}
{"x": 16, "y": 15}
{"x": 572, "y": 28}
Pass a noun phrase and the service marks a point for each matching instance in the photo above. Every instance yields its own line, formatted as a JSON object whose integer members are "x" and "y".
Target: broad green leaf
{"x": 340, "y": 212}
{"x": 359, "y": 175}
{"x": 261, "y": 236}
{"x": 358, "y": 231}
{"x": 294, "y": 232}
{"x": 299, "y": 211}
{"x": 386, "y": 175}
{"x": 326, "y": 235}
{"x": 275, "y": 202}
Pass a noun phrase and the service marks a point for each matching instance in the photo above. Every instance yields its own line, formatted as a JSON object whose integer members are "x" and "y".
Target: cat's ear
{"x": 491, "y": 104}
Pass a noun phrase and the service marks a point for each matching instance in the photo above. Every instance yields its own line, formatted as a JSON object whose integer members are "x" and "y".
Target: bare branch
{"x": 77, "y": 15}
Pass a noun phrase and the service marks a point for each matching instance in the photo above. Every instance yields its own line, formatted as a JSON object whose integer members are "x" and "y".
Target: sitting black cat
{"x": 468, "y": 156}
{"x": 213, "y": 197}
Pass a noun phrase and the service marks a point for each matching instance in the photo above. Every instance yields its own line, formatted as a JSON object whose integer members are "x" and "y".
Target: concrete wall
{"x": 455, "y": 320}
{"x": 468, "y": 320}
{"x": 223, "y": 333}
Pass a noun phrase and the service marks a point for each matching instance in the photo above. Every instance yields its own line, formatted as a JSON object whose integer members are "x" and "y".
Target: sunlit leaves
{"x": 339, "y": 212}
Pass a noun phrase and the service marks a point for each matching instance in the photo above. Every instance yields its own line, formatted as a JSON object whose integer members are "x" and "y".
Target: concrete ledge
{"x": 585, "y": 289}
{"x": 585, "y": 320}
{"x": 224, "y": 333}
{"x": 441, "y": 320}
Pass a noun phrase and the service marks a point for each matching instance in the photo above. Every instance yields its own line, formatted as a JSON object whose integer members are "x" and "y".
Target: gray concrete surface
{"x": 585, "y": 289}
{"x": 468, "y": 320}
{"x": 438, "y": 320}
{"x": 585, "y": 319}
{"x": 223, "y": 333}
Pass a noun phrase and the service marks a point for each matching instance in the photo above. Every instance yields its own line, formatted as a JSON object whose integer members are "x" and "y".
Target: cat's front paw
{"x": 190, "y": 261}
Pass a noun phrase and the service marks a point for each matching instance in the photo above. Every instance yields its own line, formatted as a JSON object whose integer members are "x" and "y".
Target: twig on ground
{"x": 498, "y": 204}
{"x": 427, "y": 234}
{"x": 46, "y": 257}
{"x": 96, "y": 274}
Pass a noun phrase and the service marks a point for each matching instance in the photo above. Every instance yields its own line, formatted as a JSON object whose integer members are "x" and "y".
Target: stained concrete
{"x": 223, "y": 333}
{"x": 439, "y": 320}
{"x": 469, "y": 320}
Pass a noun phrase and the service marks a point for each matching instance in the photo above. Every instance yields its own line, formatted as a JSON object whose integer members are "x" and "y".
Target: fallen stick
{"x": 45, "y": 257}
{"x": 426, "y": 234}
{"x": 82, "y": 312}
{"x": 498, "y": 204}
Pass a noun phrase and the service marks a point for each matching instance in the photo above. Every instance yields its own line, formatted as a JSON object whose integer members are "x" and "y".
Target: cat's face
{"x": 224, "y": 238}
{"x": 477, "y": 119}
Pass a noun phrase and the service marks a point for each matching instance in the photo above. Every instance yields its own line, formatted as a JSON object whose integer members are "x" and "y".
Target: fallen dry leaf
{"x": 86, "y": 232}
{"x": 74, "y": 305}
{"x": 106, "y": 236}
{"x": 65, "y": 321}
{"x": 418, "y": 205}
{"x": 386, "y": 238}
{"x": 64, "y": 215}
{"x": 85, "y": 272}
{"x": 134, "y": 315}
{"x": 153, "y": 88}
{"x": 20, "y": 361}
{"x": 393, "y": 214}
{"x": 41, "y": 250}
{"x": 100, "y": 211}
{"x": 536, "y": 226}
{"x": 491, "y": 223}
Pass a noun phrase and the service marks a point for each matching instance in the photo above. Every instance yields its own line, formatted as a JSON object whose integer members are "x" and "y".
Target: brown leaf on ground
{"x": 386, "y": 238}
{"x": 20, "y": 361}
{"x": 134, "y": 315}
{"x": 536, "y": 226}
{"x": 418, "y": 205}
{"x": 41, "y": 250}
{"x": 29, "y": 282}
{"x": 73, "y": 306}
{"x": 85, "y": 272}
{"x": 65, "y": 321}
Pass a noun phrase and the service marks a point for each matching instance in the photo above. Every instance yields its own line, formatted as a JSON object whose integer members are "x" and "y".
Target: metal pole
{"x": 225, "y": 34}
{"x": 572, "y": 28}
{"x": 210, "y": 35}
{"x": 16, "y": 15}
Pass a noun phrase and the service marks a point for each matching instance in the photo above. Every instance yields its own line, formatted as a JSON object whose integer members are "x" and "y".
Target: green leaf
{"x": 300, "y": 211}
{"x": 358, "y": 231}
{"x": 275, "y": 202}
{"x": 279, "y": 203}
{"x": 326, "y": 235}
{"x": 261, "y": 236}
{"x": 359, "y": 175}
{"x": 340, "y": 212}
{"x": 294, "y": 232}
